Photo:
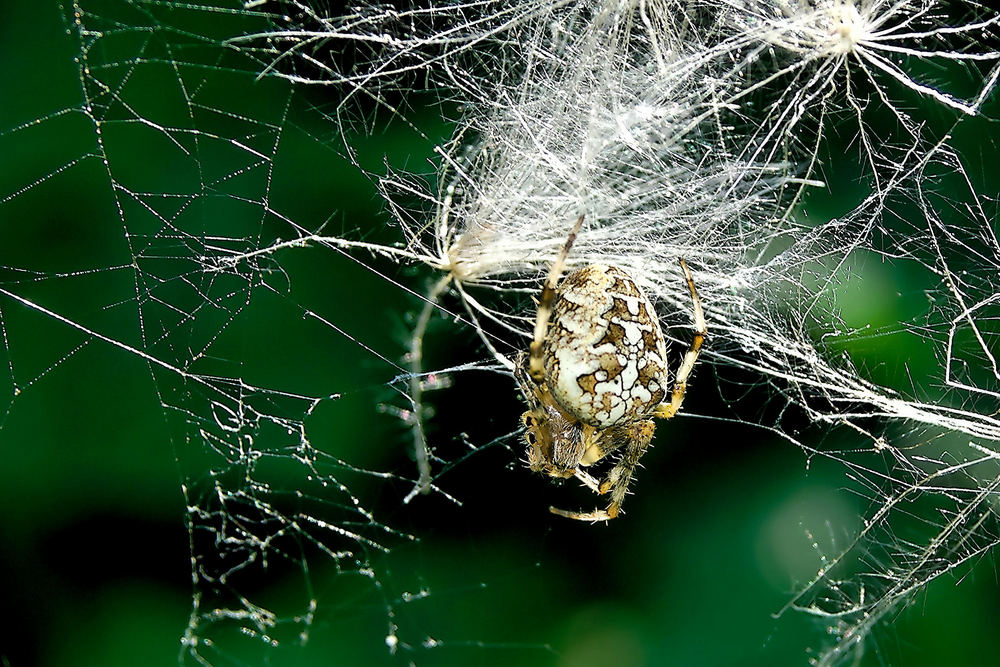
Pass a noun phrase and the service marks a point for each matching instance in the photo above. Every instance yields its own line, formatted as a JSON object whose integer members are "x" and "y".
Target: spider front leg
{"x": 536, "y": 362}
{"x": 587, "y": 480}
{"x": 668, "y": 410}
{"x": 638, "y": 435}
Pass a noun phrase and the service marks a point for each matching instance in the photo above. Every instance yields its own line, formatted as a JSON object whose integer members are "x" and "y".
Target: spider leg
{"x": 587, "y": 480}
{"x": 596, "y": 515}
{"x": 668, "y": 410}
{"x": 594, "y": 450}
{"x": 536, "y": 363}
{"x": 638, "y": 436}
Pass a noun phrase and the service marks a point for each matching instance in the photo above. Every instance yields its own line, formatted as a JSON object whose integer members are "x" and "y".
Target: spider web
{"x": 173, "y": 157}
{"x": 228, "y": 276}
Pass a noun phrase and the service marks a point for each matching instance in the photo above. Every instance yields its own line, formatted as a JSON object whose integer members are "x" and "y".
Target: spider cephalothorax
{"x": 596, "y": 375}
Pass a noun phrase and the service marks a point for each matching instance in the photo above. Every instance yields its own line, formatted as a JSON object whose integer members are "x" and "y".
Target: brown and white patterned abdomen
{"x": 605, "y": 360}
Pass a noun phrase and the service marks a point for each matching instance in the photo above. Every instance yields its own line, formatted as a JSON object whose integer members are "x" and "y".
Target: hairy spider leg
{"x": 637, "y": 437}
{"x": 536, "y": 365}
{"x": 668, "y": 410}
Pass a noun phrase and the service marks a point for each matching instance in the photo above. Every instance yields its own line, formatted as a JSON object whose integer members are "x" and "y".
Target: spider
{"x": 596, "y": 375}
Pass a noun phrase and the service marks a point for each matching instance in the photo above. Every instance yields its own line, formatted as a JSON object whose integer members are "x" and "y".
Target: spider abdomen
{"x": 605, "y": 359}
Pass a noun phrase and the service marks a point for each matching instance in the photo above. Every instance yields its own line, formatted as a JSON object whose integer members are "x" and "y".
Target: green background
{"x": 94, "y": 560}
